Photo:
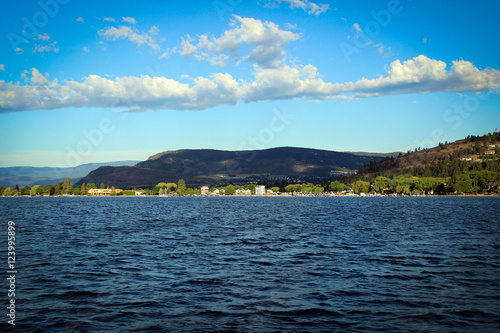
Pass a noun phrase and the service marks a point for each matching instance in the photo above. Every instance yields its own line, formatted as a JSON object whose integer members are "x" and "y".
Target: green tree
{"x": 47, "y": 189}
{"x": 77, "y": 190}
{"x": 307, "y": 189}
{"x": 230, "y": 190}
{"x": 171, "y": 187}
{"x": 83, "y": 189}
{"x": 25, "y": 190}
{"x": 337, "y": 186}
{"x": 57, "y": 189}
{"x": 361, "y": 187}
{"x": 67, "y": 186}
{"x": 36, "y": 190}
{"x": 297, "y": 188}
{"x": 289, "y": 188}
{"x": 91, "y": 186}
{"x": 380, "y": 183}
{"x": 318, "y": 189}
{"x": 181, "y": 186}
{"x": 8, "y": 191}
{"x": 161, "y": 185}
{"x": 102, "y": 186}
{"x": 251, "y": 187}
{"x": 113, "y": 191}
{"x": 275, "y": 189}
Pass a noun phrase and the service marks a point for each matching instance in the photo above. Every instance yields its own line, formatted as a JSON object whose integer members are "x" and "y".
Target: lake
{"x": 254, "y": 264}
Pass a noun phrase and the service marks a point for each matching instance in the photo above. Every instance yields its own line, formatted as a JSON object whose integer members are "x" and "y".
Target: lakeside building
{"x": 217, "y": 192}
{"x": 243, "y": 192}
{"x": 204, "y": 190}
{"x": 260, "y": 190}
{"x": 103, "y": 192}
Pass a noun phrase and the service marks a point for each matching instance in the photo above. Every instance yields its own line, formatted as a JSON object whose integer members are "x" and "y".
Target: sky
{"x": 100, "y": 81}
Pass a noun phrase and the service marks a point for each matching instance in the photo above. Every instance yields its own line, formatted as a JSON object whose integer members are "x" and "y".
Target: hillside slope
{"x": 25, "y": 175}
{"x": 206, "y": 166}
{"x": 471, "y": 153}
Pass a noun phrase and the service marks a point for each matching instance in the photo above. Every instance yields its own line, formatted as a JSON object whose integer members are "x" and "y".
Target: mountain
{"x": 474, "y": 153}
{"x": 12, "y": 176}
{"x": 207, "y": 166}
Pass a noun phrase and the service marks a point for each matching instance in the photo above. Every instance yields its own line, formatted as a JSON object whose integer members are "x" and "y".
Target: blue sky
{"x": 92, "y": 81}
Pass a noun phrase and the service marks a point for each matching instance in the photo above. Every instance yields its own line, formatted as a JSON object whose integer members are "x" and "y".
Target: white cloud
{"x": 357, "y": 27}
{"x": 46, "y": 48}
{"x": 2, "y": 67}
{"x": 43, "y": 37}
{"x": 383, "y": 50}
{"x": 425, "y": 40}
{"x": 109, "y": 19}
{"x": 37, "y": 78}
{"x": 86, "y": 49}
{"x": 418, "y": 75}
{"x": 424, "y": 75}
{"x": 306, "y": 5}
{"x": 80, "y": 19}
{"x": 130, "y": 20}
{"x": 19, "y": 50}
{"x": 124, "y": 32}
{"x": 263, "y": 43}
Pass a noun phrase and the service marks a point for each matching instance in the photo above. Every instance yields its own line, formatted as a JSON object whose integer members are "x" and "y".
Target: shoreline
{"x": 265, "y": 196}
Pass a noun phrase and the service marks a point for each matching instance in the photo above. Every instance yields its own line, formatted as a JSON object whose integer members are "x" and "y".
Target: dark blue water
{"x": 255, "y": 264}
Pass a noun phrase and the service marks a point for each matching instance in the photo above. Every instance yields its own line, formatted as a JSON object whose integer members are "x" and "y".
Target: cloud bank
{"x": 418, "y": 75}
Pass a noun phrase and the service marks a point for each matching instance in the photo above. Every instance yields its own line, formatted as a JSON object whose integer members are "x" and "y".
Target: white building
{"x": 260, "y": 190}
{"x": 204, "y": 190}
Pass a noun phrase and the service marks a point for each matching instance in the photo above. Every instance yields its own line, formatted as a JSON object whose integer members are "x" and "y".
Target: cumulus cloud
{"x": 109, "y": 19}
{"x": 424, "y": 75}
{"x": 80, "y": 19}
{"x": 418, "y": 75}
{"x": 248, "y": 40}
{"x": 130, "y": 20}
{"x": 46, "y": 48}
{"x": 2, "y": 67}
{"x": 125, "y": 32}
{"x": 306, "y": 5}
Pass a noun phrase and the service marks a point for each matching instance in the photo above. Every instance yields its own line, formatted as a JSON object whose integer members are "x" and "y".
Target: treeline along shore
{"x": 465, "y": 167}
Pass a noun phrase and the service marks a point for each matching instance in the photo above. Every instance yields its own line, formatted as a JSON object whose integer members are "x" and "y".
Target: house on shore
{"x": 102, "y": 192}
{"x": 260, "y": 190}
{"x": 204, "y": 190}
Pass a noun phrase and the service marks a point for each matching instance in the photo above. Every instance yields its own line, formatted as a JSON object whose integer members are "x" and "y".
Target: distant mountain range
{"x": 12, "y": 176}
{"x": 207, "y": 166}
